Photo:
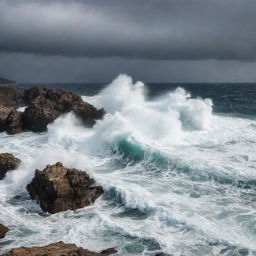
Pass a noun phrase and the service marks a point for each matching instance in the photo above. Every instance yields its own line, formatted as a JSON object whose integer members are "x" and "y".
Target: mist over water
{"x": 178, "y": 177}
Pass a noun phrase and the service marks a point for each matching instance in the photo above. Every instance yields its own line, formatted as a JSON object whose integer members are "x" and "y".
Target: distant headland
{"x": 6, "y": 81}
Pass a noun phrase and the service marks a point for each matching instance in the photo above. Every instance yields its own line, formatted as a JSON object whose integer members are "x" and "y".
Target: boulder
{"x": 45, "y": 105}
{"x": 3, "y": 230}
{"x": 56, "y": 249}
{"x": 10, "y": 97}
{"x": 57, "y": 189}
{"x": 7, "y": 163}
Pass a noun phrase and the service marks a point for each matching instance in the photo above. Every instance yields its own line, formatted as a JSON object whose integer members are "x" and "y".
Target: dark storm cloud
{"x": 142, "y": 29}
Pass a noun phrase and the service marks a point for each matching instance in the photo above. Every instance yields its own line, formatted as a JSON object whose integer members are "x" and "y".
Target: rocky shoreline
{"x": 43, "y": 106}
{"x": 57, "y": 249}
{"x": 56, "y": 188}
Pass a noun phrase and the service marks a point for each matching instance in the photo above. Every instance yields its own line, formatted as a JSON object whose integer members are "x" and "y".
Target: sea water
{"x": 177, "y": 163}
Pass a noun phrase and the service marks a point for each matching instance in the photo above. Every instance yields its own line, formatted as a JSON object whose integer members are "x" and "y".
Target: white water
{"x": 183, "y": 195}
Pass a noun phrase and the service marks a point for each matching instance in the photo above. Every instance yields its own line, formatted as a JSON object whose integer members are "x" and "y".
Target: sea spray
{"x": 172, "y": 170}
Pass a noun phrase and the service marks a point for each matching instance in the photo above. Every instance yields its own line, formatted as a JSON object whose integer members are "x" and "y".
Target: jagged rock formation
{"x": 57, "y": 249}
{"x": 44, "y": 106}
{"x": 3, "y": 230}
{"x": 57, "y": 189}
{"x": 7, "y": 163}
{"x": 10, "y": 97}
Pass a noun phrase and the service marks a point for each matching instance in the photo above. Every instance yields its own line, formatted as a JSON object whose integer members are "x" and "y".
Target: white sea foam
{"x": 184, "y": 192}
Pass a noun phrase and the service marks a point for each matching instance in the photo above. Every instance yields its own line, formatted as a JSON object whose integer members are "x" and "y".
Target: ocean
{"x": 177, "y": 163}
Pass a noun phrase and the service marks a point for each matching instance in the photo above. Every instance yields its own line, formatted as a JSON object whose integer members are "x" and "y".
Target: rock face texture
{"x": 3, "y": 230}
{"x": 57, "y": 249}
{"x": 48, "y": 104}
{"x": 7, "y": 163}
{"x": 10, "y": 120}
{"x": 57, "y": 189}
{"x": 44, "y": 106}
{"x": 10, "y": 97}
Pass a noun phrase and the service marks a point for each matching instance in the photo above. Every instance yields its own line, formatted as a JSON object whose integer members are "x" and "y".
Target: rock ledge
{"x": 57, "y": 249}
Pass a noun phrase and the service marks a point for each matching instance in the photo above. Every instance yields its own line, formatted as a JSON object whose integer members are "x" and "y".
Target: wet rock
{"x": 11, "y": 120}
{"x": 48, "y": 104}
{"x": 4, "y": 113}
{"x": 10, "y": 97}
{"x": 7, "y": 163}
{"x": 44, "y": 106}
{"x": 55, "y": 249}
{"x": 57, "y": 189}
{"x": 3, "y": 230}
{"x": 14, "y": 122}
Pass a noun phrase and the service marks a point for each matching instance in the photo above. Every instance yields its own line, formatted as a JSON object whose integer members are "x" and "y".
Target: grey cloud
{"x": 34, "y": 68}
{"x": 141, "y": 29}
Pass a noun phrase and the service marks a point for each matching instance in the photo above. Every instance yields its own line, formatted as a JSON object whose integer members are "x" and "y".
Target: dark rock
{"x": 57, "y": 189}
{"x": 10, "y": 97}
{"x": 4, "y": 113}
{"x": 48, "y": 104}
{"x": 109, "y": 251}
{"x": 3, "y": 230}
{"x": 7, "y": 163}
{"x": 44, "y": 106}
{"x": 55, "y": 249}
{"x": 14, "y": 122}
{"x": 11, "y": 120}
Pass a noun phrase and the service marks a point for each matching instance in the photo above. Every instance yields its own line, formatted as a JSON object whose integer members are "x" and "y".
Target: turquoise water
{"x": 177, "y": 166}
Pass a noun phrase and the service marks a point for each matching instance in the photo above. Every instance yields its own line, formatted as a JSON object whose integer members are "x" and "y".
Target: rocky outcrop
{"x": 4, "y": 113}
{"x": 14, "y": 122}
{"x": 57, "y": 189}
{"x": 10, "y": 120}
{"x": 48, "y": 104}
{"x": 3, "y": 230}
{"x": 7, "y": 163}
{"x": 57, "y": 249}
{"x": 44, "y": 106}
{"x": 10, "y": 97}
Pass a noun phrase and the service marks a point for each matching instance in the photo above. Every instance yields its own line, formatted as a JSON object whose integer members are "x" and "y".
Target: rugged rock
{"x": 7, "y": 162}
{"x": 4, "y": 113}
{"x": 56, "y": 249}
{"x": 10, "y": 120}
{"x": 10, "y": 97}
{"x": 57, "y": 189}
{"x": 44, "y": 106}
{"x": 14, "y": 122}
{"x": 3, "y": 230}
{"x": 48, "y": 104}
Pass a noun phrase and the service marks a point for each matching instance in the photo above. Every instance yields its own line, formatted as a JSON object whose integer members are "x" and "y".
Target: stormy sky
{"x": 151, "y": 40}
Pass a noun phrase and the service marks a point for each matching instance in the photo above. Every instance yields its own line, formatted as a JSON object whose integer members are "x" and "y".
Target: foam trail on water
{"x": 176, "y": 177}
